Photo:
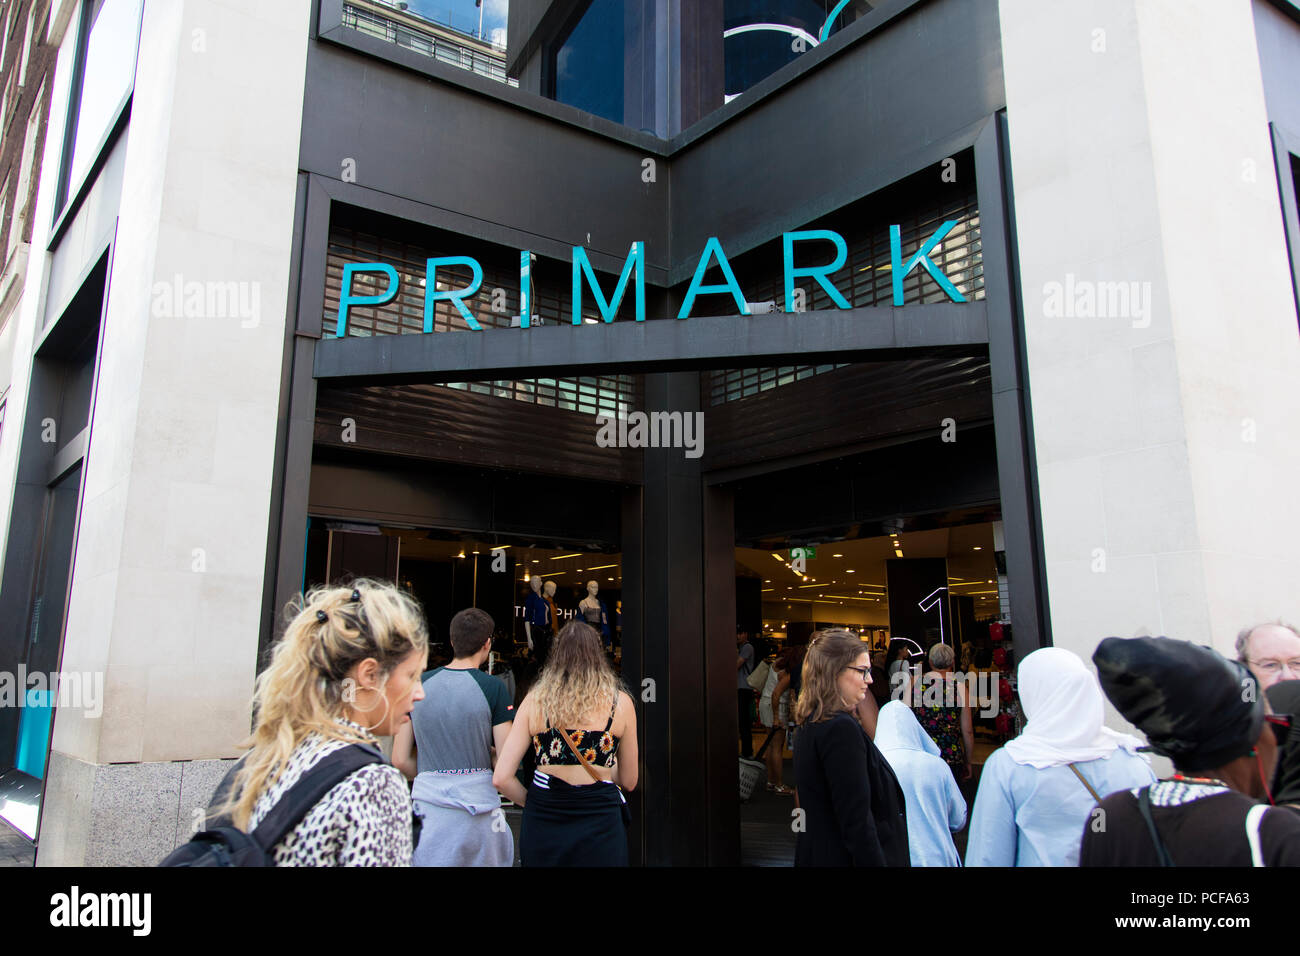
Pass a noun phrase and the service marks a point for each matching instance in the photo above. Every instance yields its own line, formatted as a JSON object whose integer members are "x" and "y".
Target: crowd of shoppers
{"x": 1068, "y": 791}
{"x": 875, "y": 785}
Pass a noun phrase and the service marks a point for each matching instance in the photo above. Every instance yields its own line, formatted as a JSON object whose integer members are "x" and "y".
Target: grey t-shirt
{"x": 453, "y": 724}
{"x": 746, "y": 651}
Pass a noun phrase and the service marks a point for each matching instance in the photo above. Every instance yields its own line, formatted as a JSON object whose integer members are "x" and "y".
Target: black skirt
{"x": 566, "y": 825}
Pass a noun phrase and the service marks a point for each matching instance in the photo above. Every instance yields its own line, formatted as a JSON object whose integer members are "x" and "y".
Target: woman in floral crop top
{"x": 575, "y": 812}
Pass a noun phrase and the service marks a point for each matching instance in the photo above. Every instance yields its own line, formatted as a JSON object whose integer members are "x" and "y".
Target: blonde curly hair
{"x": 577, "y": 677}
{"x": 302, "y": 691}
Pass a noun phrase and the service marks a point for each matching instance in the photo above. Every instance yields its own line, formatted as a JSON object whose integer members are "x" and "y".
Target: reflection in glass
{"x": 107, "y": 76}
{"x": 460, "y": 33}
{"x": 761, "y": 36}
{"x": 607, "y": 65}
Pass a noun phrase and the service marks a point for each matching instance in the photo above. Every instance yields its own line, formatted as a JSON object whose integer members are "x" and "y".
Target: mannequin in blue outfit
{"x": 538, "y": 626}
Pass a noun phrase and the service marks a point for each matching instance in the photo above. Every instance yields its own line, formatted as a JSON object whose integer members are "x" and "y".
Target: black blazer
{"x": 854, "y": 810}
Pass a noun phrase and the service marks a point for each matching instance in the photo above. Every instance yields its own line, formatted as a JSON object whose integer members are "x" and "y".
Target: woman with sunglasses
{"x": 850, "y": 801}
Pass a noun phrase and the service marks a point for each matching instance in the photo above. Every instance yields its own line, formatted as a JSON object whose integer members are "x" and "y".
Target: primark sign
{"x": 634, "y": 265}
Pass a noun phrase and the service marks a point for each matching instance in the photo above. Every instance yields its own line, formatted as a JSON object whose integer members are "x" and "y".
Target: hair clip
{"x": 322, "y": 616}
{"x": 356, "y": 596}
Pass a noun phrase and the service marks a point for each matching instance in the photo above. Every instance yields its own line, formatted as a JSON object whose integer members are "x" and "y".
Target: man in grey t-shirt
{"x": 447, "y": 750}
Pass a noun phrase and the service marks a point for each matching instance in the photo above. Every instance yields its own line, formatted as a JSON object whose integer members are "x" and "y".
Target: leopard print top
{"x": 363, "y": 821}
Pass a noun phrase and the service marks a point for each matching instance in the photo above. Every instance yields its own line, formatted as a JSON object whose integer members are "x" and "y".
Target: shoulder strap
{"x": 1253, "y": 820}
{"x": 610, "y": 723}
{"x": 223, "y": 788}
{"x": 1144, "y": 805}
{"x": 564, "y": 734}
{"x": 1083, "y": 780}
{"x": 308, "y": 791}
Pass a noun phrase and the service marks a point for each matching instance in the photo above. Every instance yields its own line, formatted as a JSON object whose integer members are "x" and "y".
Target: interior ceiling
{"x": 856, "y": 569}
{"x": 848, "y": 570}
{"x": 565, "y": 568}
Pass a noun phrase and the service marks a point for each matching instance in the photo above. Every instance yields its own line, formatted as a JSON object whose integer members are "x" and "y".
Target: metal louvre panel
{"x": 867, "y": 280}
{"x": 851, "y": 405}
{"x": 437, "y": 422}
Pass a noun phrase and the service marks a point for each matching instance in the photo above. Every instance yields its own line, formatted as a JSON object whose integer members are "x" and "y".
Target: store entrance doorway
{"x": 901, "y": 576}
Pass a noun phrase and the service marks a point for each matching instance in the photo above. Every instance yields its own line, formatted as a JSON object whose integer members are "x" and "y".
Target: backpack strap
{"x": 1253, "y": 820}
{"x": 1144, "y": 805}
{"x": 295, "y": 804}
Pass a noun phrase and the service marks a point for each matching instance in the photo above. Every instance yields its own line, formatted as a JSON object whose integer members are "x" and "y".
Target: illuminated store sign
{"x": 635, "y": 262}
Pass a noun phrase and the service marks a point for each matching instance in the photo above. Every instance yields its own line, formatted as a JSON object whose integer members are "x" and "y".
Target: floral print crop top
{"x": 598, "y": 747}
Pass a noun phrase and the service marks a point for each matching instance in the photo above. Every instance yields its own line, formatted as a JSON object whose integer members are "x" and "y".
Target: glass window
{"x": 462, "y": 33}
{"x": 761, "y": 36}
{"x": 607, "y": 65}
{"x": 109, "y": 40}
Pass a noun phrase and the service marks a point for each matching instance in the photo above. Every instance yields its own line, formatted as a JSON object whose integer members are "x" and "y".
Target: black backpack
{"x": 226, "y": 845}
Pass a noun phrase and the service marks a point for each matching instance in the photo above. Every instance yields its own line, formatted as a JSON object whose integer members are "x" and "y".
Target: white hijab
{"x": 1064, "y": 713}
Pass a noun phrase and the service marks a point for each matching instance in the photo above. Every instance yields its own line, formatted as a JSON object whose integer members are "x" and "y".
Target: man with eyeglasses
{"x": 1271, "y": 651}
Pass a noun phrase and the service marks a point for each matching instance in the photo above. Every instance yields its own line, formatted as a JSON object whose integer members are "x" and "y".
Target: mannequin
{"x": 538, "y": 623}
{"x": 593, "y": 612}
{"x": 548, "y": 592}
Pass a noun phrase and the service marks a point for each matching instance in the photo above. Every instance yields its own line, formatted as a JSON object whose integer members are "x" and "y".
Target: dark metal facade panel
{"x": 861, "y": 403}
{"x": 553, "y": 511}
{"x": 443, "y": 145}
{"x": 699, "y": 342}
{"x": 1012, "y": 413}
{"x": 905, "y": 98}
{"x": 855, "y": 494}
{"x": 436, "y": 422}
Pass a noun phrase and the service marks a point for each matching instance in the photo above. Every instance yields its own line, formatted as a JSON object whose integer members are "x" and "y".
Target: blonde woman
{"x": 347, "y": 671}
{"x": 853, "y": 805}
{"x": 581, "y": 726}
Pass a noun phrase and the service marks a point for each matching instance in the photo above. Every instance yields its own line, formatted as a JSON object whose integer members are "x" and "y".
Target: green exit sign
{"x": 806, "y": 553}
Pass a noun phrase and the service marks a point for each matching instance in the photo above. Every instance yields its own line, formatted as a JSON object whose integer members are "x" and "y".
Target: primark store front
{"x": 694, "y": 295}
{"x": 692, "y": 317}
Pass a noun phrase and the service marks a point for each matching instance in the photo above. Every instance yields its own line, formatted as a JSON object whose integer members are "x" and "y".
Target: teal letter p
{"x": 347, "y": 299}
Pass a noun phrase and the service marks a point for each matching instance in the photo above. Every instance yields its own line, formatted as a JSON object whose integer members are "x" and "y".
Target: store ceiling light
{"x": 837, "y": 555}
{"x": 561, "y": 557}
{"x": 977, "y": 548}
{"x": 602, "y": 567}
{"x": 898, "y": 553}
{"x": 779, "y": 558}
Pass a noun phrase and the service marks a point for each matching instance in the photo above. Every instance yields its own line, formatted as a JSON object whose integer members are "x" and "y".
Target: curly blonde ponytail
{"x": 303, "y": 690}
